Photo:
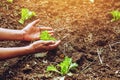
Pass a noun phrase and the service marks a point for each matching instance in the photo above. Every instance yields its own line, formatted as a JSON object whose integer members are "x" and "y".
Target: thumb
{"x": 35, "y": 22}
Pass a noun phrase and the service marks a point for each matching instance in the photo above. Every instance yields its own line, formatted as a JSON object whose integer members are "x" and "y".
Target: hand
{"x": 40, "y": 46}
{"x": 32, "y": 32}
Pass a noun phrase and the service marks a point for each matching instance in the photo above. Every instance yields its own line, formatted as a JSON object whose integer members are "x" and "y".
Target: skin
{"x": 29, "y": 33}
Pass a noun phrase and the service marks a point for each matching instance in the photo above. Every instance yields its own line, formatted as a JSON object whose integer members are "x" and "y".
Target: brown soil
{"x": 83, "y": 28}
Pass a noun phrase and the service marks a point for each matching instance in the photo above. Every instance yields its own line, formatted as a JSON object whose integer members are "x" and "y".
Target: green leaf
{"x": 44, "y": 35}
{"x": 65, "y": 65}
{"x": 116, "y": 15}
{"x": 73, "y": 65}
{"x": 52, "y": 68}
{"x": 26, "y": 14}
{"x": 10, "y": 1}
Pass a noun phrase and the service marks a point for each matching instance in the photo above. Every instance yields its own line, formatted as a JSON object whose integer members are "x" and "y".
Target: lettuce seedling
{"x": 52, "y": 68}
{"x": 44, "y": 35}
{"x": 116, "y": 15}
{"x": 65, "y": 66}
{"x": 26, "y": 14}
{"x": 10, "y": 1}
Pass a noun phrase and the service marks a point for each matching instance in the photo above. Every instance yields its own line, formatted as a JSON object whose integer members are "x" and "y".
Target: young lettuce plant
{"x": 44, "y": 35}
{"x": 26, "y": 14}
{"x": 116, "y": 15}
{"x": 65, "y": 66}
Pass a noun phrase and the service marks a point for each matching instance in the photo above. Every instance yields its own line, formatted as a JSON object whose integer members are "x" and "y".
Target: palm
{"x": 31, "y": 32}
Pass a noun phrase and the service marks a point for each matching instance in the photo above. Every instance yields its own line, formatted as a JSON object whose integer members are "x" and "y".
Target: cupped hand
{"x": 31, "y": 32}
{"x": 40, "y": 46}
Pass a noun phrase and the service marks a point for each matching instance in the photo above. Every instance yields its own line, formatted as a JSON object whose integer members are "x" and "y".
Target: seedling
{"x": 26, "y": 14}
{"x": 44, "y": 35}
{"x": 65, "y": 66}
{"x": 116, "y": 15}
{"x": 10, "y": 1}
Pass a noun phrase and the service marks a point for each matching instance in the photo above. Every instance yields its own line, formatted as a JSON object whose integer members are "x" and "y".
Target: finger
{"x": 35, "y": 22}
{"x": 46, "y": 28}
{"x": 58, "y": 42}
{"x": 46, "y": 43}
{"x": 49, "y": 42}
{"x": 55, "y": 45}
{"x": 50, "y": 32}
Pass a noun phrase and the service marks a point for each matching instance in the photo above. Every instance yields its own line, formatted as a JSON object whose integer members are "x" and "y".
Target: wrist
{"x": 22, "y": 34}
{"x": 18, "y": 35}
{"x": 29, "y": 49}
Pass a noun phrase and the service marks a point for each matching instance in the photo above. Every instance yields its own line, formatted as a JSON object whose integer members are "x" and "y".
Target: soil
{"x": 85, "y": 30}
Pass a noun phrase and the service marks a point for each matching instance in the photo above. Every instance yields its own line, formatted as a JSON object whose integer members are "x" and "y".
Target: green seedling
{"x": 52, "y": 68}
{"x": 10, "y": 1}
{"x": 116, "y": 15}
{"x": 26, "y": 14}
{"x": 44, "y": 35}
{"x": 65, "y": 66}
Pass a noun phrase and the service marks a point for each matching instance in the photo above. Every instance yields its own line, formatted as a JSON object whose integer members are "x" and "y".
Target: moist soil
{"x": 85, "y": 30}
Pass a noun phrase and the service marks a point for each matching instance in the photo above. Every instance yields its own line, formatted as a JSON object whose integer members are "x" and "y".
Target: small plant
{"x": 44, "y": 35}
{"x": 26, "y": 14}
{"x": 65, "y": 66}
{"x": 116, "y": 15}
{"x": 10, "y": 1}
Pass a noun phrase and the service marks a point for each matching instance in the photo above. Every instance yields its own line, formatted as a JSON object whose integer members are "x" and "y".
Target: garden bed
{"x": 84, "y": 28}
